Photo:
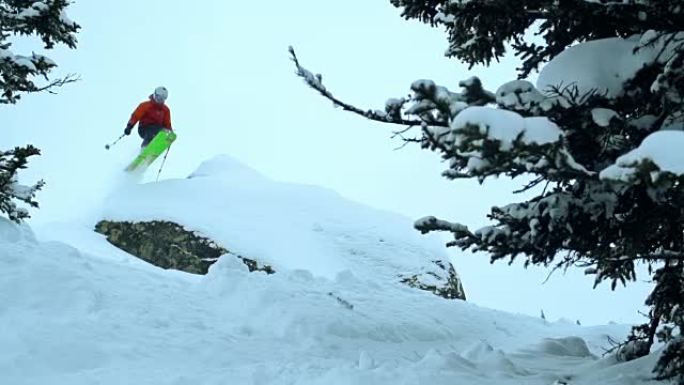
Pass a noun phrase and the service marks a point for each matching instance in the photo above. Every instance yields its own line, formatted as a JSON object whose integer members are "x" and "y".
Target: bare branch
{"x": 530, "y": 185}
{"x": 315, "y": 82}
{"x": 401, "y": 132}
{"x": 11, "y": 95}
{"x": 71, "y": 78}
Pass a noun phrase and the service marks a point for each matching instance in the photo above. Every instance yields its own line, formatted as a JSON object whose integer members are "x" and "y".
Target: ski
{"x": 160, "y": 143}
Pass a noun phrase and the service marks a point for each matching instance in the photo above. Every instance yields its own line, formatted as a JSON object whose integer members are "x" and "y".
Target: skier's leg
{"x": 143, "y": 132}
{"x": 155, "y": 130}
{"x": 148, "y": 133}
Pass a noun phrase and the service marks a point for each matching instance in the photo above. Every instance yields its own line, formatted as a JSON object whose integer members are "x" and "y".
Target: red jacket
{"x": 151, "y": 113}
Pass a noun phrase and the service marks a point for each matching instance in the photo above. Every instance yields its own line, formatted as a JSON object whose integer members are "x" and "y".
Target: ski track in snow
{"x": 96, "y": 315}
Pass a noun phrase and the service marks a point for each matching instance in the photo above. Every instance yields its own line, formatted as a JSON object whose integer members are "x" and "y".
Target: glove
{"x": 128, "y": 129}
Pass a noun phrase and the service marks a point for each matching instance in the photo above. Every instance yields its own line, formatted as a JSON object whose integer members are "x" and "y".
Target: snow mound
{"x": 224, "y": 166}
{"x": 603, "y": 116}
{"x": 568, "y": 346}
{"x": 507, "y": 126}
{"x": 602, "y": 65}
{"x": 662, "y": 149}
{"x": 283, "y": 225}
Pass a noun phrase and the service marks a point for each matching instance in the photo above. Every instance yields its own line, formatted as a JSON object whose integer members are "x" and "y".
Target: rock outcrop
{"x": 272, "y": 226}
{"x": 442, "y": 281}
{"x": 169, "y": 246}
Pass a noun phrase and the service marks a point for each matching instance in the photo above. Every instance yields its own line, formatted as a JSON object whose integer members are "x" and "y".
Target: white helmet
{"x": 160, "y": 94}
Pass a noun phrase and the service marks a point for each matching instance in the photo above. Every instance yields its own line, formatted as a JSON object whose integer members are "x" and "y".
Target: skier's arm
{"x": 167, "y": 118}
{"x": 138, "y": 114}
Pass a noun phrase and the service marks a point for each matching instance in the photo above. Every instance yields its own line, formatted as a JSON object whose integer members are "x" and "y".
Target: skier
{"x": 153, "y": 116}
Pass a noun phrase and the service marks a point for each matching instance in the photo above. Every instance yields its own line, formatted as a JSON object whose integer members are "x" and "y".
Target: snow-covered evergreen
{"x": 11, "y": 192}
{"x": 589, "y": 137}
{"x": 47, "y": 20}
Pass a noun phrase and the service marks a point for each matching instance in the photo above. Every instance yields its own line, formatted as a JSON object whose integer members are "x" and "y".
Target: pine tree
{"x": 47, "y": 20}
{"x": 599, "y": 138}
{"x": 11, "y": 191}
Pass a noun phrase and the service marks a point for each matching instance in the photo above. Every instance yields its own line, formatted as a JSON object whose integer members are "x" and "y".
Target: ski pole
{"x": 108, "y": 146}
{"x": 162, "y": 165}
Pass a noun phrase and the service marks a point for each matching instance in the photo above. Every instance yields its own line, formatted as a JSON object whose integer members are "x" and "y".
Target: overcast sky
{"x": 232, "y": 89}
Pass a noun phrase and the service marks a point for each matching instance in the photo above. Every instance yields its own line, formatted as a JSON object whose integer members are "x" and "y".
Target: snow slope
{"x": 92, "y": 314}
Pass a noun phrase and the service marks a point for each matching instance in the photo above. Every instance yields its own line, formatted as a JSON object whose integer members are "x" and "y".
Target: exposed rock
{"x": 443, "y": 282}
{"x": 169, "y": 246}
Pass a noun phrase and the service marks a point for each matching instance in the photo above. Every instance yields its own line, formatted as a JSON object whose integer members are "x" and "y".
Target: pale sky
{"x": 232, "y": 89}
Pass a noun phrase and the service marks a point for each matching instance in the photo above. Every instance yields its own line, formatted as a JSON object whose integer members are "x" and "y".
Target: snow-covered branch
{"x": 48, "y": 21}
{"x": 391, "y": 115}
{"x": 658, "y": 156}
